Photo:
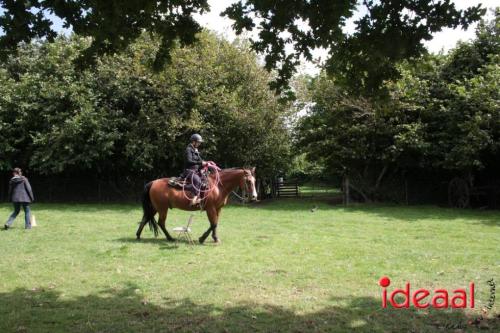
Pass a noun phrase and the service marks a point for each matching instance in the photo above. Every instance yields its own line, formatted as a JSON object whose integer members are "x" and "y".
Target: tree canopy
{"x": 443, "y": 114}
{"x": 389, "y": 31}
{"x": 123, "y": 118}
{"x": 113, "y": 25}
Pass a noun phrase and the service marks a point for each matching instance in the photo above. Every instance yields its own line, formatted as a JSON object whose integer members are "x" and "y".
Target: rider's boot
{"x": 195, "y": 200}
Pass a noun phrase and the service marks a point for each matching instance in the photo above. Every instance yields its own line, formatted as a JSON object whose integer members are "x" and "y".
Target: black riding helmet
{"x": 196, "y": 137}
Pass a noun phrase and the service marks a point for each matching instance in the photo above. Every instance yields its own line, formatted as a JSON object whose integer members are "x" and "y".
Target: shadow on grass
{"x": 418, "y": 213}
{"x": 294, "y": 204}
{"x": 82, "y": 208}
{"x": 386, "y": 211}
{"x": 164, "y": 244}
{"x": 127, "y": 310}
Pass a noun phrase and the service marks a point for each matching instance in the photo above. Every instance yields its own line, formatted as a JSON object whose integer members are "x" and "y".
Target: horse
{"x": 159, "y": 197}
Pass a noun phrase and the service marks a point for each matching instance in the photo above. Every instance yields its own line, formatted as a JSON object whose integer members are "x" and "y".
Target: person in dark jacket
{"x": 20, "y": 194}
{"x": 192, "y": 164}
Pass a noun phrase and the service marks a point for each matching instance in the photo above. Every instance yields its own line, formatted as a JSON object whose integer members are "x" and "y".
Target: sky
{"x": 442, "y": 41}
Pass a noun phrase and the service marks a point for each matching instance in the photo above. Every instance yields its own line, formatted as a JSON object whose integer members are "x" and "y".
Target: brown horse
{"x": 159, "y": 196}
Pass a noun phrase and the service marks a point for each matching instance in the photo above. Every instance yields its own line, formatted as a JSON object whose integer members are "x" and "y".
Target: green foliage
{"x": 113, "y": 25}
{"x": 125, "y": 119}
{"x": 390, "y": 31}
{"x": 442, "y": 114}
{"x": 387, "y": 33}
{"x": 303, "y": 169}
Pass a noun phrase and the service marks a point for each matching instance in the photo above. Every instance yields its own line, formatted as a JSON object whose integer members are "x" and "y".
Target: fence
{"x": 286, "y": 189}
{"x": 82, "y": 188}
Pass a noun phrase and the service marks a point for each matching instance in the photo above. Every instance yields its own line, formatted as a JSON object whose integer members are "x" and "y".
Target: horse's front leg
{"x": 214, "y": 229}
{"x": 213, "y": 218}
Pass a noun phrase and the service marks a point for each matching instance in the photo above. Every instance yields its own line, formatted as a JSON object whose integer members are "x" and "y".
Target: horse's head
{"x": 247, "y": 183}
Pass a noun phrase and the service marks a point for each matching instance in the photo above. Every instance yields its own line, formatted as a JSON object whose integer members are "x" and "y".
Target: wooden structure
{"x": 282, "y": 189}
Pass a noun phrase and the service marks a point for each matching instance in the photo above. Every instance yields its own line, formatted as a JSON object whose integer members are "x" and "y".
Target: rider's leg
{"x": 195, "y": 186}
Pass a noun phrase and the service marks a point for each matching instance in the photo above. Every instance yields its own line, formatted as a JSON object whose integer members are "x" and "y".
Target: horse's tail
{"x": 148, "y": 210}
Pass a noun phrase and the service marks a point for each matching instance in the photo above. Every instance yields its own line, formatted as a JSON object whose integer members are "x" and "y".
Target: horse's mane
{"x": 231, "y": 169}
{"x": 226, "y": 171}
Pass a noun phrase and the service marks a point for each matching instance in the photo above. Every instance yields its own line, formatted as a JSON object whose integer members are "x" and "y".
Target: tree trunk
{"x": 379, "y": 179}
{"x": 365, "y": 197}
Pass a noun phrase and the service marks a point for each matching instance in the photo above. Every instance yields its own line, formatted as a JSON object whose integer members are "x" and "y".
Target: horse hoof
{"x": 217, "y": 241}
{"x": 170, "y": 240}
{"x": 201, "y": 240}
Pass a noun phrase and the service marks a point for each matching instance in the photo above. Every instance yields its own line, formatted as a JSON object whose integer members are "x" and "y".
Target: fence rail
{"x": 286, "y": 189}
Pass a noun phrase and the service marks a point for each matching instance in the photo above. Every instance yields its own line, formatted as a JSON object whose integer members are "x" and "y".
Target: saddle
{"x": 180, "y": 182}
{"x": 177, "y": 182}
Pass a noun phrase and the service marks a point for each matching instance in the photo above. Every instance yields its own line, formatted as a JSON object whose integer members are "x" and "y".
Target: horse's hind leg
{"x": 139, "y": 230}
{"x": 161, "y": 222}
{"x": 142, "y": 224}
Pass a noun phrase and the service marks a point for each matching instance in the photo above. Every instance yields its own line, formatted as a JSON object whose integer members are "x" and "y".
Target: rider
{"x": 192, "y": 165}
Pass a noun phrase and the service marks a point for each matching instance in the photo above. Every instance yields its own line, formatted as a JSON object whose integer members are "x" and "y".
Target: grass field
{"x": 318, "y": 190}
{"x": 280, "y": 268}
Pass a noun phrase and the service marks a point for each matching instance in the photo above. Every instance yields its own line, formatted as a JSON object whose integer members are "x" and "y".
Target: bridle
{"x": 248, "y": 181}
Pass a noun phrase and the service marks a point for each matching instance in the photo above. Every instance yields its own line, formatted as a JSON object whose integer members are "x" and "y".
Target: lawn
{"x": 318, "y": 190}
{"x": 280, "y": 268}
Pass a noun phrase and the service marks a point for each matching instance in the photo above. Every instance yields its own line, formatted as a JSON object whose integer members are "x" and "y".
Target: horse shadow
{"x": 163, "y": 244}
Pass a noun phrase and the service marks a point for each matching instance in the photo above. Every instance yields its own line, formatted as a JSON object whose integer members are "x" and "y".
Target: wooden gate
{"x": 286, "y": 189}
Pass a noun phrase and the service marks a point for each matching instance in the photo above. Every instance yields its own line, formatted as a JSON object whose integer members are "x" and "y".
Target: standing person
{"x": 20, "y": 194}
{"x": 192, "y": 164}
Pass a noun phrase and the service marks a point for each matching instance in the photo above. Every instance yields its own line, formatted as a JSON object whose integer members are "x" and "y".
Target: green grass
{"x": 280, "y": 268}
{"x": 318, "y": 190}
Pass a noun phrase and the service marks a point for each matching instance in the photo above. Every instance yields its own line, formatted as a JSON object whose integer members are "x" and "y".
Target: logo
{"x": 423, "y": 298}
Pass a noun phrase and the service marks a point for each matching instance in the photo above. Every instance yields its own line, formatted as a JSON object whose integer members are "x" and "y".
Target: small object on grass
{"x": 314, "y": 208}
{"x": 33, "y": 220}
{"x": 185, "y": 232}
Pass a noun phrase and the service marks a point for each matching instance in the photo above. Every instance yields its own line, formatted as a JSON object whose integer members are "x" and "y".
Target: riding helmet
{"x": 196, "y": 137}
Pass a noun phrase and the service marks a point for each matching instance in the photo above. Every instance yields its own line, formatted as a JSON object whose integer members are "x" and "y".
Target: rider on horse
{"x": 192, "y": 165}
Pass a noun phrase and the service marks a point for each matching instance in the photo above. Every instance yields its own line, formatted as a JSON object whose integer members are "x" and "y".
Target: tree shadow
{"x": 127, "y": 310}
{"x": 88, "y": 208}
{"x": 77, "y": 208}
{"x": 413, "y": 213}
{"x": 424, "y": 212}
{"x": 294, "y": 204}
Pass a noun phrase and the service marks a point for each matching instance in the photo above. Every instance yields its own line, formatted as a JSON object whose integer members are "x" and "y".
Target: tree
{"x": 443, "y": 116}
{"x": 124, "y": 119}
{"x": 390, "y": 31}
{"x": 112, "y": 24}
